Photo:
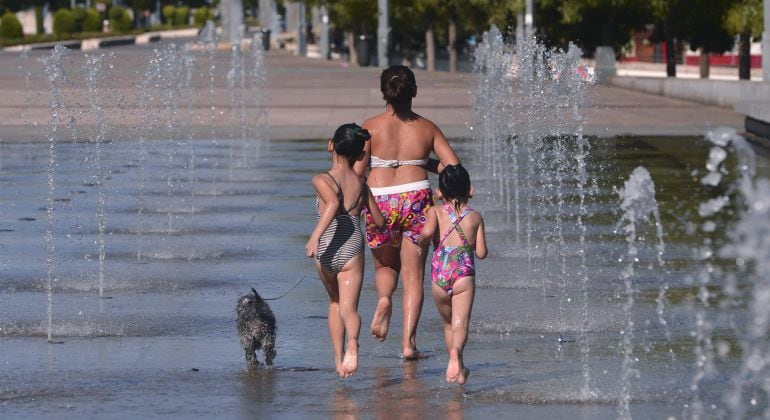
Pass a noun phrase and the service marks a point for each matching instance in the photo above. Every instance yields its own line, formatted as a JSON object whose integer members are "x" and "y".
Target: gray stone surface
{"x": 308, "y": 98}
{"x": 723, "y": 93}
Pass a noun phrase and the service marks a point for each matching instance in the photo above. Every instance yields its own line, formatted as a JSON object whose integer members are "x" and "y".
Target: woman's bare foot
{"x": 464, "y": 374}
{"x": 350, "y": 361}
{"x": 412, "y": 354}
{"x": 381, "y": 319}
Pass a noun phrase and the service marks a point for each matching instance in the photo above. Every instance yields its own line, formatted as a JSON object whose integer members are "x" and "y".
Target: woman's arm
{"x": 328, "y": 211}
{"x": 371, "y": 205}
{"x": 443, "y": 150}
{"x": 434, "y": 165}
{"x": 429, "y": 228}
{"x": 360, "y": 166}
{"x": 481, "y": 240}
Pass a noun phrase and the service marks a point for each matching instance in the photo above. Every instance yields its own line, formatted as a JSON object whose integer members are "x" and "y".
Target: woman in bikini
{"x": 398, "y": 157}
{"x": 337, "y": 242}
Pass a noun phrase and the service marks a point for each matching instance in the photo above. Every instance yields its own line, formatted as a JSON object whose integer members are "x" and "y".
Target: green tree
{"x": 705, "y": 30}
{"x": 354, "y": 17}
{"x": 669, "y": 12}
{"x": 429, "y": 12}
{"x": 501, "y": 13}
{"x": 591, "y": 23}
{"x": 745, "y": 19}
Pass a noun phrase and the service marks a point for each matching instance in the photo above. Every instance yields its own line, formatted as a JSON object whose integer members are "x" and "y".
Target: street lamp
{"x": 766, "y": 44}
{"x": 382, "y": 33}
{"x": 529, "y": 18}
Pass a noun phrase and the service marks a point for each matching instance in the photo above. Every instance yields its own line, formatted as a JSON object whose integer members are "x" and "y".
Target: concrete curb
{"x": 724, "y": 93}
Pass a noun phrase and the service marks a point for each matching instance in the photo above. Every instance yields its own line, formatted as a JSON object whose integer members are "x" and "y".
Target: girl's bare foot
{"x": 381, "y": 319}
{"x": 350, "y": 361}
{"x": 338, "y": 365}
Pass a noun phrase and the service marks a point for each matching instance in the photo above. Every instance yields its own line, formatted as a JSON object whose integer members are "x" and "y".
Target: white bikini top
{"x": 376, "y": 162}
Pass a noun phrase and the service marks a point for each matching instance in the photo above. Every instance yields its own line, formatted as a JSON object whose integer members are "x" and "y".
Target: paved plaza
{"x": 139, "y": 250}
{"x": 308, "y": 98}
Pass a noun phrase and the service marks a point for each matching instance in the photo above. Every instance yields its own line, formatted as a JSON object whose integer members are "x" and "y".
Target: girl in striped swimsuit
{"x": 337, "y": 241}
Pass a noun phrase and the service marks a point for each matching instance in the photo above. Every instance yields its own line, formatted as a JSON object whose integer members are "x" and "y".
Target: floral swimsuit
{"x": 452, "y": 262}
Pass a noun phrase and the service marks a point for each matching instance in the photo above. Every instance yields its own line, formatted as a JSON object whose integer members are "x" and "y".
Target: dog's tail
{"x": 255, "y": 293}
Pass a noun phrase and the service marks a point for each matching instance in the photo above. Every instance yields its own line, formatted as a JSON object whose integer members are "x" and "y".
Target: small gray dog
{"x": 256, "y": 328}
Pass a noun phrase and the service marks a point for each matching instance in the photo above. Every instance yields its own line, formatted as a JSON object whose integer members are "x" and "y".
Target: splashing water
{"x": 638, "y": 205}
{"x": 259, "y": 91}
{"x": 530, "y": 104}
{"x": 750, "y": 248}
{"x": 55, "y": 74}
{"x": 94, "y": 72}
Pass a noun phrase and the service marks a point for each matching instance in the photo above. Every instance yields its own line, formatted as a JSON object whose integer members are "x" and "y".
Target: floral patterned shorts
{"x": 404, "y": 214}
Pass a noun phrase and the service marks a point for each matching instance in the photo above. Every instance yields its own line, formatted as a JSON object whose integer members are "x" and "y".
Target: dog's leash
{"x": 288, "y": 291}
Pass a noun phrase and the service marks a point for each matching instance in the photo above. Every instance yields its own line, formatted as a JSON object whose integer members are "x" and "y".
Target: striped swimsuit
{"x": 343, "y": 240}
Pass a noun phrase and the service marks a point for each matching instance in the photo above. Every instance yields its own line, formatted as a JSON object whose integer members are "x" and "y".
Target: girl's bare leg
{"x": 463, "y": 291}
{"x": 336, "y": 326}
{"x": 412, "y": 273}
{"x": 349, "y": 281}
{"x": 386, "y": 268}
{"x": 444, "y": 306}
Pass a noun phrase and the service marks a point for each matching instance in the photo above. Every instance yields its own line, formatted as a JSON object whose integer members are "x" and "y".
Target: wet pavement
{"x": 162, "y": 342}
{"x": 191, "y": 225}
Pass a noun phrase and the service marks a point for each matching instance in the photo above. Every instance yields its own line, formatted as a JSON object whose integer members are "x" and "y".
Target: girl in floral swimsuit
{"x": 453, "y": 271}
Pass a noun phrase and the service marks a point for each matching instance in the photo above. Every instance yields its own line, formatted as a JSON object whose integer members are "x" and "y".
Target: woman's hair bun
{"x": 398, "y": 85}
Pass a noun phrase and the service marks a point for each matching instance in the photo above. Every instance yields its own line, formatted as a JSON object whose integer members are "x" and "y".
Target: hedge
{"x": 181, "y": 16}
{"x": 120, "y": 20}
{"x": 63, "y": 22}
{"x": 92, "y": 21}
{"x": 168, "y": 13}
{"x": 10, "y": 27}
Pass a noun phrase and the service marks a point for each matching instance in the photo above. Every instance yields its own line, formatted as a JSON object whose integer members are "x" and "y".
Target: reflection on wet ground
{"x": 164, "y": 344}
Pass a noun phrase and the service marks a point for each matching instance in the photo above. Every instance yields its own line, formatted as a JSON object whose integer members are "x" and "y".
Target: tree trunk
{"x": 744, "y": 57}
{"x": 352, "y": 48}
{"x": 39, "y": 28}
{"x": 407, "y": 51}
{"x": 668, "y": 29}
{"x": 430, "y": 49}
{"x": 452, "y": 46}
{"x": 704, "y": 64}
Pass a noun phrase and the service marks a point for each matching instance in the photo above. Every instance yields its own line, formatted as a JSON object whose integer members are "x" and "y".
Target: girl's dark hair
{"x": 455, "y": 184}
{"x": 398, "y": 87}
{"x": 349, "y": 140}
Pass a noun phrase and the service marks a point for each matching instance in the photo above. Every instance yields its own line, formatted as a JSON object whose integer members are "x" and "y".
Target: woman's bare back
{"x": 408, "y": 139}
